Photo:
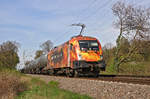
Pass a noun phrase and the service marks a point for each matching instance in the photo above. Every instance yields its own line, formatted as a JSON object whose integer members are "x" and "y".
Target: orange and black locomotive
{"x": 82, "y": 55}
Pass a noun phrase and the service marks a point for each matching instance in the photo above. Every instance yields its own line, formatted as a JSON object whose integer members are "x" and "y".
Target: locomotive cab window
{"x": 88, "y": 45}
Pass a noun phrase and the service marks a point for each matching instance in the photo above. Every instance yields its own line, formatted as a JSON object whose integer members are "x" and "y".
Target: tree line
{"x": 132, "y": 44}
{"x": 9, "y": 57}
{"x": 133, "y": 41}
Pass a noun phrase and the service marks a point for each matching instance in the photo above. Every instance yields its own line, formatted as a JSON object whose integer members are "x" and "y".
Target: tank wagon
{"x": 35, "y": 66}
{"x": 81, "y": 55}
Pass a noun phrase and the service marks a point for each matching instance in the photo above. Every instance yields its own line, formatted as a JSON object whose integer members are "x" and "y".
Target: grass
{"x": 15, "y": 85}
{"x": 10, "y": 83}
{"x": 41, "y": 90}
{"x": 110, "y": 70}
{"x": 130, "y": 68}
{"x": 135, "y": 68}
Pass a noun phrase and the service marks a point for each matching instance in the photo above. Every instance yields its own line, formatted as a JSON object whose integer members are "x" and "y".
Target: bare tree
{"x": 46, "y": 46}
{"x": 134, "y": 25}
{"x": 9, "y": 46}
{"x": 38, "y": 54}
{"x": 108, "y": 46}
{"x": 108, "y": 51}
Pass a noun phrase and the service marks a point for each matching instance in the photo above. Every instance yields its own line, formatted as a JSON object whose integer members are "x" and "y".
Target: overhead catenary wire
{"x": 90, "y": 15}
{"x": 73, "y": 19}
{"x": 103, "y": 15}
{"x": 133, "y": 3}
{"x": 101, "y": 24}
{"x": 86, "y": 9}
{"x": 60, "y": 37}
{"x": 82, "y": 27}
{"x": 94, "y": 13}
{"x": 96, "y": 10}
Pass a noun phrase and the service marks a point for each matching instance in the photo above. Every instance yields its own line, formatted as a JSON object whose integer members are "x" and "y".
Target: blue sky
{"x": 31, "y": 22}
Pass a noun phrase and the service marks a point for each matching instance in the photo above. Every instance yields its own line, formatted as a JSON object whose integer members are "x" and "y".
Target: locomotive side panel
{"x": 58, "y": 57}
{"x": 74, "y": 48}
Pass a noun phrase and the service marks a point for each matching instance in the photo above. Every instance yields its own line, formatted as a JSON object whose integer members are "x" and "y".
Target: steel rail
{"x": 142, "y": 80}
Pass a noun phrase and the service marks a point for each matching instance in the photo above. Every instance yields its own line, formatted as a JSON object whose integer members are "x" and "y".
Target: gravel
{"x": 101, "y": 89}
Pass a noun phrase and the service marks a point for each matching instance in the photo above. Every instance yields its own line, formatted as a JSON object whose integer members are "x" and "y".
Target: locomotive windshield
{"x": 88, "y": 45}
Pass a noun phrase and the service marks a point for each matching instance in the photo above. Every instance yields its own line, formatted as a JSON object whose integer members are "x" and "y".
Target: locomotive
{"x": 81, "y": 55}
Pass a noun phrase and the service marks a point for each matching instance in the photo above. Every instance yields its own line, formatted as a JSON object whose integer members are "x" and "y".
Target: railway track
{"x": 96, "y": 88}
{"x": 142, "y": 80}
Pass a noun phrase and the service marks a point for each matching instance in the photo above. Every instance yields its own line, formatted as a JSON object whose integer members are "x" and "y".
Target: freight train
{"x": 81, "y": 55}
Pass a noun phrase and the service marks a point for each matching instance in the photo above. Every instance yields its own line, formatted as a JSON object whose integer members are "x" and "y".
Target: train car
{"x": 35, "y": 66}
{"x": 81, "y": 55}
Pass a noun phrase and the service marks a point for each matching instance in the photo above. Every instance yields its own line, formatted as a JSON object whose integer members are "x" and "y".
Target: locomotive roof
{"x": 78, "y": 37}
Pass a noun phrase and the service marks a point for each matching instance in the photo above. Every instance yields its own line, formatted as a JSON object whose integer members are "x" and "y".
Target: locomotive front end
{"x": 89, "y": 56}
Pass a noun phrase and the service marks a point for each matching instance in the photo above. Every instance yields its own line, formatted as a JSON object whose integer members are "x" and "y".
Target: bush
{"x": 135, "y": 68}
{"x": 10, "y": 84}
{"x": 41, "y": 90}
{"x": 8, "y": 54}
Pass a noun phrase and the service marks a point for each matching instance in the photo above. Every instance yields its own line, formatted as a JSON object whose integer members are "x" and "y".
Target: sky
{"x": 32, "y": 22}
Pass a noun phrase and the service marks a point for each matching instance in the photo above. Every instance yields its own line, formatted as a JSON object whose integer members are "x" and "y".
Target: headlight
{"x": 79, "y": 57}
{"x": 101, "y": 57}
